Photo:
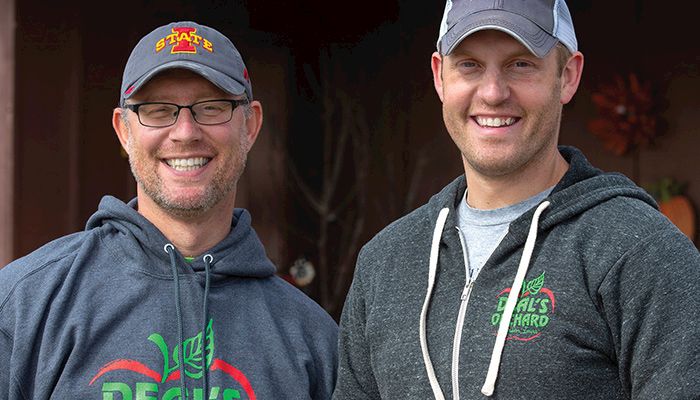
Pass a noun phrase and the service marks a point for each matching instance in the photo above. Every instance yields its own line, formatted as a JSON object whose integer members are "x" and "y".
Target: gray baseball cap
{"x": 537, "y": 24}
{"x": 191, "y": 46}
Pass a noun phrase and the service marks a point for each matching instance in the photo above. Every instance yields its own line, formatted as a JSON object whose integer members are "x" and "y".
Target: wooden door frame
{"x": 7, "y": 131}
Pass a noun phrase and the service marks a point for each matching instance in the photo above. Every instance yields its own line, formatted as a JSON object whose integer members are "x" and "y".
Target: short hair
{"x": 563, "y": 55}
{"x": 247, "y": 110}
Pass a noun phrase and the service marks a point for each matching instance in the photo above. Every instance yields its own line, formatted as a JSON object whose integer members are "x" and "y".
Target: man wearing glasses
{"x": 170, "y": 296}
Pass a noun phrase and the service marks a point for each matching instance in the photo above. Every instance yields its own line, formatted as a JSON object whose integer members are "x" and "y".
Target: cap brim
{"x": 222, "y": 81}
{"x": 534, "y": 38}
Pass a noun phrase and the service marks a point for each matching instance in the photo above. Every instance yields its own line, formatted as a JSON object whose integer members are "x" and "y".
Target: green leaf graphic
{"x": 535, "y": 285}
{"x": 210, "y": 343}
{"x": 160, "y": 342}
{"x": 192, "y": 353}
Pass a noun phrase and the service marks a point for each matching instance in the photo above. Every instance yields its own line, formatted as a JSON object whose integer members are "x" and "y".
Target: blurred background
{"x": 353, "y": 135}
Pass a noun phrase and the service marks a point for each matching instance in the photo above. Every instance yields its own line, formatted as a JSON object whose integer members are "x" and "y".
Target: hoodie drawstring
{"x": 170, "y": 249}
{"x": 490, "y": 383}
{"x": 492, "y": 374}
{"x": 208, "y": 259}
{"x": 432, "y": 271}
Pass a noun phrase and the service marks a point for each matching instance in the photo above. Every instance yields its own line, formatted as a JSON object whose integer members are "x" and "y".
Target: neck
{"x": 489, "y": 192}
{"x": 191, "y": 235}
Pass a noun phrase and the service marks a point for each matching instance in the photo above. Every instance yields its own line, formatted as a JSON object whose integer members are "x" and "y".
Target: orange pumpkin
{"x": 680, "y": 211}
{"x": 674, "y": 204}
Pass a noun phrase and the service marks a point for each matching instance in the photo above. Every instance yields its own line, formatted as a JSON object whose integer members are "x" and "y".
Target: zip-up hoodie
{"x": 103, "y": 314}
{"x": 593, "y": 294}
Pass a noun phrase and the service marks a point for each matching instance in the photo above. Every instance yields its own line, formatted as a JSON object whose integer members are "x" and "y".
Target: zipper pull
{"x": 466, "y": 291}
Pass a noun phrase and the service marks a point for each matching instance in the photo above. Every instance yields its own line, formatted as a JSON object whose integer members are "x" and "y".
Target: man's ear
{"x": 120, "y": 126}
{"x": 254, "y": 121}
{"x": 571, "y": 77}
{"x": 436, "y": 66}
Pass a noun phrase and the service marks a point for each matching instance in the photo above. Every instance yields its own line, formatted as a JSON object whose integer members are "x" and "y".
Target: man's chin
{"x": 186, "y": 206}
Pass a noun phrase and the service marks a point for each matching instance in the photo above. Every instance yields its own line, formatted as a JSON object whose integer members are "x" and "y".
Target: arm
{"x": 5, "y": 351}
{"x": 9, "y": 389}
{"x": 355, "y": 376}
{"x": 652, "y": 303}
{"x": 325, "y": 357}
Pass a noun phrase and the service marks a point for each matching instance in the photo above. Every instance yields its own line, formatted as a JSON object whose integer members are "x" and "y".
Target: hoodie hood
{"x": 134, "y": 237}
{"x": 582, "y": 188}
{"x": 141, "y": 246}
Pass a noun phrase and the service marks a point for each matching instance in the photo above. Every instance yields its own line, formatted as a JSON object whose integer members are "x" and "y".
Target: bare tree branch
{"x": 304, "y": 188}
{"x": 416, "y": 179}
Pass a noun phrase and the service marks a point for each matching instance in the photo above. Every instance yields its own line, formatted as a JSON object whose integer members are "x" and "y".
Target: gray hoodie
{"x": 605, "y": 303}
{"x": 114, "y": 312}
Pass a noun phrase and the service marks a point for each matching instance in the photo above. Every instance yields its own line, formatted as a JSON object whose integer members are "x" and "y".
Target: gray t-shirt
{"x": 483, "y": 230}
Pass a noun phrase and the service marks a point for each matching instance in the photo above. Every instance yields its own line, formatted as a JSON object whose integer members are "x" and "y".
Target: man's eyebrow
{"x": 459, "y": 51}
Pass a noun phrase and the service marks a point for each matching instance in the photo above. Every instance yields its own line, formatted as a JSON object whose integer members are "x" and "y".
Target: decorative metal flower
{"x": 628, "y": 115}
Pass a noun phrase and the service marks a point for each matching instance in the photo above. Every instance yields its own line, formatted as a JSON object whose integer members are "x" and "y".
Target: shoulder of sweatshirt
{"x": 622, "y": 232}
{"x": 623, "y": 219}
{"x": 289, "y": 300}
{"x": 410, "y": 236}
{"x": 650, "y": 232}
{"x": 401, "y": 234}
{"x": 55, "y": 257}
{"x": 419, "y": 223}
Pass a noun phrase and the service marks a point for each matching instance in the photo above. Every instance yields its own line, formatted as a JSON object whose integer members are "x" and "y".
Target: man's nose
{"x": 494, "y": 88}
{"x": 185, "y": 129}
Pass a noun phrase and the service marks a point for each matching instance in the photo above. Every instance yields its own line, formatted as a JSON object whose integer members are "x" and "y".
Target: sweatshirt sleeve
{"x": 9, "y": 389}
{"x": 650, "y": 299}
{"x": 355, "y": 375}
{"x": 5, "y": 351}
{"x": 325, "y": 357}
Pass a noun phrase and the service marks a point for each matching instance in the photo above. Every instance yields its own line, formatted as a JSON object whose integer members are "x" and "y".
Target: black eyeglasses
{"x": 161, "y": 115}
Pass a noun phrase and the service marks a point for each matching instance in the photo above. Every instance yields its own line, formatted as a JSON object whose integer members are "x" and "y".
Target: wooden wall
{"x": 7, "y": 132}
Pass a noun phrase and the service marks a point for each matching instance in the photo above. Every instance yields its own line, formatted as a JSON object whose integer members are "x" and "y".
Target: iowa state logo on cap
{"x": 184, "y": 40}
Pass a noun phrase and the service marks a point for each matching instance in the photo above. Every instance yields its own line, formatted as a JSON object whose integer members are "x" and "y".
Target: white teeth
{"x": 187, "y": 164}
{"x": 495, "y": 122}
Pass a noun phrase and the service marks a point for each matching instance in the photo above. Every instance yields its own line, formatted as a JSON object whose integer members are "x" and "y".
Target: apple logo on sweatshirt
{"x": 165, "y": 383}
{"x": 532, "y": 312}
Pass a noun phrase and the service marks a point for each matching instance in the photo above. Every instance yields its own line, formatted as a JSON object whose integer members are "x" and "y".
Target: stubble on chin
{"x": 152, "y": 185}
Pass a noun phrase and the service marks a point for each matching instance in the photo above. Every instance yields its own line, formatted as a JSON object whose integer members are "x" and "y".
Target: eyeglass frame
{"x": 234, "y": 104}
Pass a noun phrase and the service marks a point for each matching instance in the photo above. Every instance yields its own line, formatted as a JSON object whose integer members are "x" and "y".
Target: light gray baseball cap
{"x": 191, "y": 46}
{"x": 537, "y": 24}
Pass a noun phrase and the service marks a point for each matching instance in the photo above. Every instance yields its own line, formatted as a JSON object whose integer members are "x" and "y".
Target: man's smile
{"x": 494, "y": 122}
{"x": 187, "y": 164}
